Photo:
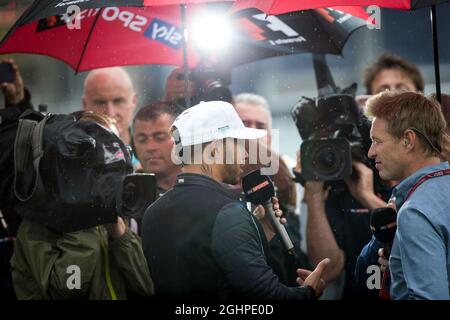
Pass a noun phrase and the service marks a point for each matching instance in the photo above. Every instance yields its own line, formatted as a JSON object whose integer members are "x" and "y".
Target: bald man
{"x": 110, "y": 91}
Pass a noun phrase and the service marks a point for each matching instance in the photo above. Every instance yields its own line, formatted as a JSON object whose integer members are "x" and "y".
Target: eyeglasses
{"x": 435, "y": 148}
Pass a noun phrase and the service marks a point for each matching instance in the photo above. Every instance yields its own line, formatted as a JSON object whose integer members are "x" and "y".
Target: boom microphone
{"x": 259, "y": 190}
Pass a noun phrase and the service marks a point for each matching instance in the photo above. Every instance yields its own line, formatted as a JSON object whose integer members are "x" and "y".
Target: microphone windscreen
{"x": 258, "y": 188}
{"x": 383, "y": 223}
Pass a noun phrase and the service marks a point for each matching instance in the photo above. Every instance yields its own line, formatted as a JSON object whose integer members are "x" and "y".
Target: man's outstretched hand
{"x": 313, "y": 278}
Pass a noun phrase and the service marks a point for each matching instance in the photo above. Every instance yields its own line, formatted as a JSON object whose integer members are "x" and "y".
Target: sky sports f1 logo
{"x": 165, "y": 33}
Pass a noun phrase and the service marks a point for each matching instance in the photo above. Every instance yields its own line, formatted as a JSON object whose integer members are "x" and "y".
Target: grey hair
{"x": 252, "y": 98}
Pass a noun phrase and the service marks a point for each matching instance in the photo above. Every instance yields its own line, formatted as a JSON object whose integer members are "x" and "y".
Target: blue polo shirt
{"x": 420, "y": 257}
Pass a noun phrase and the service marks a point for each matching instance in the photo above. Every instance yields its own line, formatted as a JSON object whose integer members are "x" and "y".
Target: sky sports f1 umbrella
{"x": 283, "y": 6}
{"x": 110, "y": 36}
{"x": 69, "y": 9}
{"x": 113, "y": 36}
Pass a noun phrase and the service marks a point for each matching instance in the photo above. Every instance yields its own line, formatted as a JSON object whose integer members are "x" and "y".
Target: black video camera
{"x": 330, "y": 127}
{"x": 137, "y": 193}
{"x": 212, "y": 85}
{"x": 82, "y": 178}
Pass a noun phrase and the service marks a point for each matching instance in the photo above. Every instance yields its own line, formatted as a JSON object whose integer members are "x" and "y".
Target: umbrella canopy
{"x": 41, "y": 9}
{"x": 114, "y": 36}
{"x": 283, "y": 6}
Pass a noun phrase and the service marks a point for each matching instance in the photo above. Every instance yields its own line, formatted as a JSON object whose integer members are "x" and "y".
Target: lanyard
{"x": 429, "y": 176}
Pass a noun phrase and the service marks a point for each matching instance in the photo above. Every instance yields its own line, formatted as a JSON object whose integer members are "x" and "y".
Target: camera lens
{"x": 129, "y": 195}
{"x": 326, "y": 160}
{"x": 216, "y": 90}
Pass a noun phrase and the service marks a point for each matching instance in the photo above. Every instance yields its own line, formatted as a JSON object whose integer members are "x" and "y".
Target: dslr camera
{"x": 212, "y": 85}
{"x": 334, "y": 132}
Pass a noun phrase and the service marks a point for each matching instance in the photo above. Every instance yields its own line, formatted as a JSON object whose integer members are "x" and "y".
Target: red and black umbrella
{"x": 111, "y": 36}
{"x": 283, "y": 6}
{"x": 114, "y": 36}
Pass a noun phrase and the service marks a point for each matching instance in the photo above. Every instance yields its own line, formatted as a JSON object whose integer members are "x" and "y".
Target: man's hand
{"x": 298, "y": 165}
{"x": 362, "y": 188}
{"x": 361, "y": 100}
{"x": 260, "y": 213}
{"x": 313, "y": 278}
{"x": 383, "y": 260}
{"x": 116, "y": 230}
{"x": 315, "y": 191}
{"x": 14, "y": 91}
{"x": 175, "y": 86}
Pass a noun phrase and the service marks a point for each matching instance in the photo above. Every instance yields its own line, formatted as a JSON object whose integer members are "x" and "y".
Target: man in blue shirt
{"x": 407, "y": 135}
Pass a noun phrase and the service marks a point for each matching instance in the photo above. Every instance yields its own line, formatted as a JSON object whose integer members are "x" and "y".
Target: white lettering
{"x": 176, "y": 38}
{"x": 374, "y": 280}
{"x": 203, "y": 311}
{"x": 72, "y": 17}
{"x": 74, "y": 280}
{"x": 139, "y": 22}
{"x": 126, "y": 17}
{"x": 275, "y": 24}
{"x": 106, "y": 13}
{"x": 374, "y": 21}
{"x": 158, "y": 32}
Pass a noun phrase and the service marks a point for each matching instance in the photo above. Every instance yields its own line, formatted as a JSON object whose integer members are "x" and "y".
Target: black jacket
{"x": 201, "y": 242}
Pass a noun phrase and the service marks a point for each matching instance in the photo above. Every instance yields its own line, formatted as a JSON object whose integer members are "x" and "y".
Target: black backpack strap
{"x": 29, "y": 139}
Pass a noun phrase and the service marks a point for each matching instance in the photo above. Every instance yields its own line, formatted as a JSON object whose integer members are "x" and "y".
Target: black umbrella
{"x": 283, "y": 6}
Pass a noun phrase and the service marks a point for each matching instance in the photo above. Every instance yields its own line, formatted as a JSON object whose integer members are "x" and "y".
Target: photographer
{"x": 206, "y": 83}
{"x": 175, "y": 86}
{"x": 338, "y": 211}
{"x": 17, "y": 100}
{"x": 102, "y": 262}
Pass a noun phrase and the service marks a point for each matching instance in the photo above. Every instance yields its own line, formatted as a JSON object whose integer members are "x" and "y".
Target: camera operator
{"x": 390, "y": 72}
{"x": 206, "y": 83}
{"x": 110, "y": 91}
{"x": 102, "y": 262}
{"x": 338, "y": 211}
{"x": 175, "y": 86}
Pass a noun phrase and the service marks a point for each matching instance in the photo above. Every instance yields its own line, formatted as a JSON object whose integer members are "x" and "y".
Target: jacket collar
{"x": 189, "y": 179}
{"x": 401, "y": 190}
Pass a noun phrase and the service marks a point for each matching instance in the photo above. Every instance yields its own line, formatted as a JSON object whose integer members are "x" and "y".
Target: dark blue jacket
{"x": 201, "y": 242}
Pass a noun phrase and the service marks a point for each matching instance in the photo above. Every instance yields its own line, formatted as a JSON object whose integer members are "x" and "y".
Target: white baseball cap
{"x": 212, "y": 120}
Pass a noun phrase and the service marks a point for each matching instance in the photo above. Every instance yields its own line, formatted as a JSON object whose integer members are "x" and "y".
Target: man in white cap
{"x": 199, "y": 239}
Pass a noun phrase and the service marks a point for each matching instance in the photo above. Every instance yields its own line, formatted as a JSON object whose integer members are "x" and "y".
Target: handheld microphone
{"x": 259, "y": 190}
{"x": 383, "y": 223}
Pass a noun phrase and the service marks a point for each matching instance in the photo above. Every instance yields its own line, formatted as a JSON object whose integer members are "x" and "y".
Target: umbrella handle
{"x": 185, "y": 56}
{"x": 436, "y": 52}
